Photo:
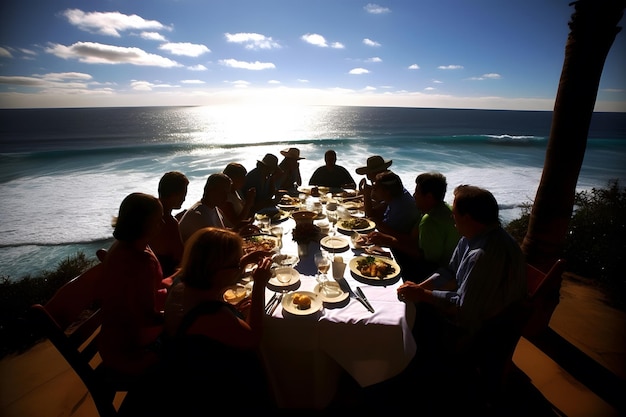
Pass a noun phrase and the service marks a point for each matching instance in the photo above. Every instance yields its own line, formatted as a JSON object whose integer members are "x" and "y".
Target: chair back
{"x": 544, "y": 292}
{"x": 71, "y": 320}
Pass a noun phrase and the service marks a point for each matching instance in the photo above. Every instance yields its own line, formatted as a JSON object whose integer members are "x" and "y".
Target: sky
{"x": 483, "y": 54}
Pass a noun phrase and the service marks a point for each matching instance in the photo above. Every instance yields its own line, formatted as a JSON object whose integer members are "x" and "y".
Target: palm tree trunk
{"x": 593, "y": 28}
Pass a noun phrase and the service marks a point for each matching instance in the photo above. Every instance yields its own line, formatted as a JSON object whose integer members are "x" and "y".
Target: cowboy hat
{"x": 270, "y": 161}
{"x": 374, "y": 164}
{"x": 291, "y": 153}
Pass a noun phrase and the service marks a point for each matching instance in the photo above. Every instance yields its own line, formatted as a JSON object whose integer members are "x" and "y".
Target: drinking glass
{"x": 278, "y": 232}
{"x": 322, "y": 261}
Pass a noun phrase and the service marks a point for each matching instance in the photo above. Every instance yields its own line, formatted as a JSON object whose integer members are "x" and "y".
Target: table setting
{"x": 326, "y": 314}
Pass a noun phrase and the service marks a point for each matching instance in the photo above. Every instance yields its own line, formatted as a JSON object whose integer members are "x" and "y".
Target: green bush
{"x": 595, "y": 247}
{"x": 16, "y": 333}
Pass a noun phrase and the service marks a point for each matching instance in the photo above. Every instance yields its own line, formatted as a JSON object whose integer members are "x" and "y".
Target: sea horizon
{"x": 64, "y": 171}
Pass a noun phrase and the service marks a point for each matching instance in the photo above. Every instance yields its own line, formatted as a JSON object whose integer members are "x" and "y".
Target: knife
{"x": 278, "y": 300}
{"x": 269, "y": 303}
{"x": 346, "y": 287}
{"x": 362, "y": 295}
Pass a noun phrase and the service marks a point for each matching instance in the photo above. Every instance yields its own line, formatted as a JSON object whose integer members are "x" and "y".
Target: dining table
{"x": 307, "y": 353}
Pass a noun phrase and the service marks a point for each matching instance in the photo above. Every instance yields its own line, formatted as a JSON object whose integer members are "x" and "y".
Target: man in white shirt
{"x": 205, "y": 212}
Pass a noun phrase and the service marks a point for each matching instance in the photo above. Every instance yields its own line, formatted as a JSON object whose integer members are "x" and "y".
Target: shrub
{"x": 16, "y": 297}
{"x": 595, "y": 245}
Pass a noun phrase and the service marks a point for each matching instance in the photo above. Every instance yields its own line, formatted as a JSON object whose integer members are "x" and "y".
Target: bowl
{"x": 304, "y": 216}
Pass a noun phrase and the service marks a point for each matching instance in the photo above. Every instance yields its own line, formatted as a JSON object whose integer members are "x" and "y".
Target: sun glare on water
{"x": 257, "y": 124}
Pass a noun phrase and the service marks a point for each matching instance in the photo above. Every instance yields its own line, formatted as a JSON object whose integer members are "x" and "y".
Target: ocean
{"x": 64, "y": 172}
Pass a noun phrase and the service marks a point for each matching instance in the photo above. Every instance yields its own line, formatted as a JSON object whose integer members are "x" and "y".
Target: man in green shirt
{"x": 432, "y": 241}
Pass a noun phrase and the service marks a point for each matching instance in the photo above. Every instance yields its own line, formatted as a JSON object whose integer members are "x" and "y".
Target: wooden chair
{"x": 71, "y": 321}
{"x": 495, "y": 343}
{"x": 544, "y": 295}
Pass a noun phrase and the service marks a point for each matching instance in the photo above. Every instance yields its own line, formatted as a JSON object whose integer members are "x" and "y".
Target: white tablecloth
{"x": 305, "y": 355}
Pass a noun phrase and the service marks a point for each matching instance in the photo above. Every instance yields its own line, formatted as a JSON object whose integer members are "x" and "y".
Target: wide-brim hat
{"x": 291, "y": 153}
{"x": 271, "y": 162}
{"x": 375, "y": 164}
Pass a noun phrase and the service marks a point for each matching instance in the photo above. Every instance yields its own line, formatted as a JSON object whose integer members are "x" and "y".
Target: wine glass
{"x": 323, "y": 265}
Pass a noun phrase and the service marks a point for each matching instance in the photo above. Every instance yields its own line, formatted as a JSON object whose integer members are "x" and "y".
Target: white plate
{"x": 289, "y": 306}
{"x": 391, "y": 277}
{"x": 331, "y": 297}
{"x": 348, "y": 231}
{"x": 288, "y": 206}
{"x": 335, "y": 243}
{"x": 279, "y": 216}
{"x": 255, "y": 242}
{"x": 295, "y": 277}
{"x": 239, "y": 292}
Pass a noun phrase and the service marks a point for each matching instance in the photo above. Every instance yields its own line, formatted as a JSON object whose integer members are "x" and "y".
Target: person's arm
{"x": 405, "y": 242}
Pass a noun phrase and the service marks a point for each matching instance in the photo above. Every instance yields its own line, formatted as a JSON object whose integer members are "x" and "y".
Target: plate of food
{"x": 275, "y": 216}
{"x": 267, "y": 243}
{"x": 355, "y": 224}
{"x": 335, "y": 243}
{"x": 332, "y": 294}
{"x": 235, "y": 293}
{"x": 374, "y": 269}
{"x": 288, "y": 202}
{"x": 302, "y": 303}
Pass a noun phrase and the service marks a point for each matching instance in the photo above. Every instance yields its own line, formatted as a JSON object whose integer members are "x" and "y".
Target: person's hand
{"x": 262, "y": 273}
{"x": 381, "y": 239}
{"x": 411, "y": 292}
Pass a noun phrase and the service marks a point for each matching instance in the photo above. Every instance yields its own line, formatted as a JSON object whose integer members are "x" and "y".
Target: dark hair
{"x": 432, "y": 182}
{"x": 479, "y": 203}
{"x": 235, "y": 170}
{"x": 171, "y": 183}
{"x": 134, "y": 214}
{"x": 207, "y": 251}
{"x": 390, "y": 181}
{"x": 214, "y": 181}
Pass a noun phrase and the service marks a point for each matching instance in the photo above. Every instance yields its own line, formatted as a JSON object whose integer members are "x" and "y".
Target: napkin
{"x": 339, "y": 266}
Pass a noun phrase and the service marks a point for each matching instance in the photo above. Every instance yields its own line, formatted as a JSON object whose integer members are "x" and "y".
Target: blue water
{"x": 64, "y": 172}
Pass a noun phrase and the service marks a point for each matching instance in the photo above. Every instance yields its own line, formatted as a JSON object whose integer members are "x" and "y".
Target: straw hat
{"x": 375, "y": 164}
{"x": 291, "y": 153}
{"x": 270, "y": 161}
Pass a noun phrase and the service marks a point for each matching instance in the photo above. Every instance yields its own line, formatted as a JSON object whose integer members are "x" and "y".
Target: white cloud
{"x": 612, "y": 90}
{"x": 376, "y": 9}
{"x": 437, "y": 82}
{"x": 301, "y": 80}
{"x": 369, "y": 88}
{"x": 4, "y": 53}
{"x": 374, "y": 59}
{"x": 255, "y": 66}
{"x": 59, "y": 76}
{"x": 450, "y": 67}
{"x": 97, "y": 53}
{"x": 414, "y": 67}
{"x": 152, "y": 36}
{"x": 110, "y": 23}
{"x": 370, "y": 42}
{"x": 192, "y": 82}
{"x": 27, "y": 51}
{"x": 319, "y": 40}
{"x": 198, "y": 67}
{"x": 239, "y": 83}
{"x": 358, "y": 71}
{"x": 314, "y": 39}
{"x": 252, "y": 40}
{"x": 273, "y": 82}
{"x": 148, "y": 86}
{"x": 490, "y": 76}
{"x": 430, "y": 89}
{"x": 185, "y": 49}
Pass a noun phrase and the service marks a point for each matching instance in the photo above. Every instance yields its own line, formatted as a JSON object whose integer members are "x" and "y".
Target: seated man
{"x": 374, "y": 206}
{"x": 431, "y": 243}
{"x": 486, "y": 274}
{"x": 167, "y": 245}
{"x": 332, "y": 175}
{"x": 205, "y": 213}
{"x": 262, "y": 180}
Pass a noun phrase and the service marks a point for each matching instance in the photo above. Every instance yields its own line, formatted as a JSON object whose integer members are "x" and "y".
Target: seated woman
{"x": 132, "y": 293}
{"x": 210, "y": 348}
{"x": 237, "y": 209}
